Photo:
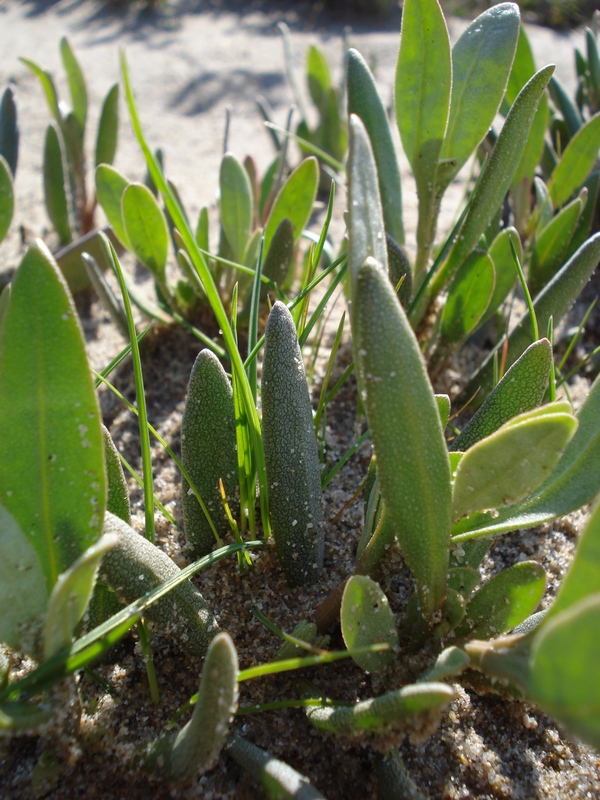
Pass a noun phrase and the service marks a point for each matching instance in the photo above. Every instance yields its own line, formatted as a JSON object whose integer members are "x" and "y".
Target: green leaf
{"x": 55, "y": 185}
{"x": 553, "y": 301}
{"x": 468, "y": 297}
{"x": 364, "y": 101}
{"x": 576, "y": 162}
{"x": 443, "y": 404}
{"x": 501, "y": 254}
{"x": 280, "y": 257}
{"x": 496, "y": 176}
{"x": 294, "y": 201}
{"x": 9, "y": 130}
{"x": 422, "y": 99}
{"x": 504, "y": 601}
{"x": 551, "y": 245}
{"x": 366, "y": 230}
{"x": 366, "y": 619}
{"x": 7, "y": 198}
{"x": 48, "y": 87}
{"x": 195, "y": 748}
{"x": 23, "y": 590}
{"x": 583, "y": 577}
{"x": 208, "y": 452}
{"x": 23, "y": 716}
{"x": 77, "y": 88}
{"x": 392, "y": 711}
{"x": 117, "y": 501}
{"x": 52, "y": 476}
{"x": 412, "y": 462}
{"x": 481, "y": 63}
{"x": 574, "y": 482}
{"x": 236, "y": 205}
{"x": 108, "y": 128}
{"x": 110, "y": 185}
{"x": 564, "y": 660}
{"x": 70, "y": 596}
{"x": 317, "y": 74}
{"x": 507, "y": 466}
{"x": 565, "y": 105}
{"x": 521, "y": 389}
{"x": 146, "y": 228}
{"x": 291, "y": 454}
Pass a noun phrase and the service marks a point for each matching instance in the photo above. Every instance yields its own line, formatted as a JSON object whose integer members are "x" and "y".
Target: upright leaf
{"x": 576, "y": 162}
{"x": 294, "y": 201}
{"x": 7, "y": 198}
{"x": 9, "y": 130}
{"x": 551, "y": 245}
{"x": 236, "y": 205}
{"x": 55, "y": 185}
{"x": 110, "y": 185}
{"x": 481, "y": 62}
{"x": 317, "y": 74}
{"x": 77, "y": 87}
{"x": 500, "y": 251}
{"x": 146, "y": 228}
{"x": 52, "y": 474}
{"x": 364, "y": 101}
{"x": 422, "y": 98}
{"x": 366, "y": 618}
{"x": 108, "y": 128}
{"x": 468, "y": 297}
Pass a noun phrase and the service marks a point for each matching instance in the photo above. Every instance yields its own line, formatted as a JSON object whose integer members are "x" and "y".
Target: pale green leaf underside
{"x": 366, "y": 619}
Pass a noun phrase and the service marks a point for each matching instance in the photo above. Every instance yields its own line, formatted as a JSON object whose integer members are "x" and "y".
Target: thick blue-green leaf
{"x": 500, "y": 252}
{"x": 576, "y": 162}
{"x": 504, "y": 601}
{"x": 52, "y": 469}
{"x": 7, "y": 198}
{"x": 146, "y": 228}
{"x": 110, "y": 185}
{"x": 55, "y": 185}
{"x": 481, "y": 64}
{"x": 468, "y": 297}
{"x": 108, "y": 128}
{"x": 366, "y": 618}
{"x": 236, "y": 205}
{"x": 23, "y": 590}
{"x": 294, "y": 201}
{"x": 551, "y": 245}
{"x": 364, "y": 101}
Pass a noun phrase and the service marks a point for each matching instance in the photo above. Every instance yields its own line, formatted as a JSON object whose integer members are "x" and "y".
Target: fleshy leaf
{"x": 551, "y": 245}
{"x": 7, "y": 198}
{"x": 146, "y": 228}
{"x": 77, "y": 88}
{"x": 500, "y": 252}
{"x": 469, "y": 295}
{"x": 55, "y": 185}
{"x": 366, "y": 619}
{"x": 108, "y": 128}
{"x": 23, "y": 591}
{"x": 294, "y": 201}
{"x": 53, "y": 481}
{"x": 110, "y": 185}
{"x": 9, "y": 130}
{"x": 236, "y": 205}
{"x": 504, "y": 601}
{"x": 70, "y": 596}
{"x": 507, "y": 466}
{"x": 576, "y": 162}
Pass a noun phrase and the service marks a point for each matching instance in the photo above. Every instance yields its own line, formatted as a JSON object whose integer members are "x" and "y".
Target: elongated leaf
{"x": 576, "y": 162}
{"x": 500, "y": 252}
{"x": 422, "y": 99}
{"x": 236, "y": 205}
{"x": 583, "y": 577}
{"x": 468, "y": 297}
{"x": 521, "y": 389}
{"x": 71, "y": 594}
{"x": 295, "y": 200}
{"x": 279, "y": 259}
{"x": 77, "y": 88}
{"x": 574, "y": 482}
{"x": 9, "y": 130}
{"x": 497, "y": 174}
{"x": 108, "y": 128}
{"x": 196, "y": 747}
{"x": 507, "y": 466}
{"x": 110, "y": 185}
{"x": 52, "y": 474}
{"x": 563, "y": 677}
{"x": 7, "y": 198}
{"x": 366, "y": 618}
{"x": 481, "y": 63}
{"x": 565, "y": 105}
{"x": 47, "y": 84}
{"x": 549, "y": 250}
{"x": 23, "y": 716}
{"x": 278, "y": 779}
{"x": 364, "y": 101}
{"x": 504, "y": 601}
{"x": 23, "y": 589}
{"x": 393, "y": 710}
{"x": 366, "y": 229}
{"x": 317, "y": 74}
{"x": 146, "y": 228}
{"x": 117, "y": 500}
{"x": 291, "y": 453}
{"x": 55, "y": 186}
{"x": 582, "y": 231}
{"x": 412, "y": 462}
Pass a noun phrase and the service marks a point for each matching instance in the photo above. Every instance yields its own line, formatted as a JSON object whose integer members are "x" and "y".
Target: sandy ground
{"x": 187, "y": 68}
